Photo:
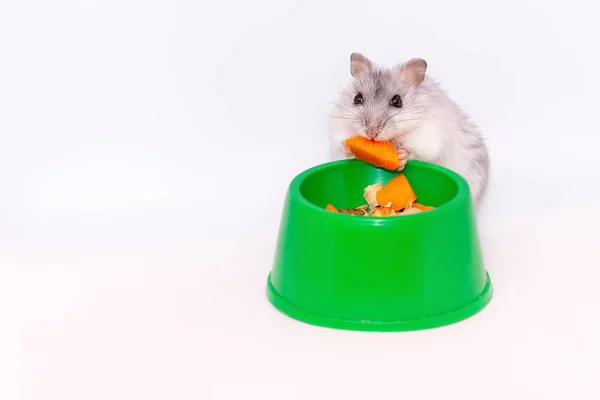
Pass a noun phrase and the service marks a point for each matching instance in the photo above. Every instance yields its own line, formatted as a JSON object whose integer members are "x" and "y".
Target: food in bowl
{"x": 397, "y": 197}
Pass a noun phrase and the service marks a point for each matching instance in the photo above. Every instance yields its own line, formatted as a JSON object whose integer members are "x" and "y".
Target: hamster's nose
{"x": 372, "y": 131}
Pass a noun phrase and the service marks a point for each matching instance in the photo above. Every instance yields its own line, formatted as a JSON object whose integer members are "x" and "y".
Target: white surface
{"x": 124, "y": 124}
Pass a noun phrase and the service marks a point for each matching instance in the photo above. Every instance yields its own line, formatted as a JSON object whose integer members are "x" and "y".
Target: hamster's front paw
{"x": 403, "y": 157}
{"x": 347, "y": 151}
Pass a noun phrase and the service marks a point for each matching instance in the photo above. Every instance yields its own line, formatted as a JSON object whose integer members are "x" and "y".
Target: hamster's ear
{"x": 359, "y": 64}
{"x": 413, "y": 71}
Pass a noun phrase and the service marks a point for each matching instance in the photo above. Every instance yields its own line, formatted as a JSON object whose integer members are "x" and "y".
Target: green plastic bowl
{"x": 395, "y": 273}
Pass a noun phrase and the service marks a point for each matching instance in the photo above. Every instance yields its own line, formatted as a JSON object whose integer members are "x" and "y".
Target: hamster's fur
{"x": 403, "y": 104}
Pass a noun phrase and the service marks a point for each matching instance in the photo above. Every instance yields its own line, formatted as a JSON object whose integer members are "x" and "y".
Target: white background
{"x": 146, "y": 149}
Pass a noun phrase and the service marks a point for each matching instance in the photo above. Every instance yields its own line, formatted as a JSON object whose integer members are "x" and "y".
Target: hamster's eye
{"x": 396, "y": 101}
{"x": 358, "y": 99}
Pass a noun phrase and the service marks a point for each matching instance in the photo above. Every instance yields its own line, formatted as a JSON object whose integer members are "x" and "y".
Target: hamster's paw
{"x": 347, "y": 151}
{"x": 403, "y": 157}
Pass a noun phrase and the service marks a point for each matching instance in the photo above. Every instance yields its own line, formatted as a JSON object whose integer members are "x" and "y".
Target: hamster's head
{"x": 380, "y": 103}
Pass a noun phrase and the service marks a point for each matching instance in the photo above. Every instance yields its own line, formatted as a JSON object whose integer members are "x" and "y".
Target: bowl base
{"x": 435, "y": 321}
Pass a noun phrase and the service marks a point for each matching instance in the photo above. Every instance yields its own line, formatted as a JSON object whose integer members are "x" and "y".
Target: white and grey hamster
{"x": 404, "y": 105}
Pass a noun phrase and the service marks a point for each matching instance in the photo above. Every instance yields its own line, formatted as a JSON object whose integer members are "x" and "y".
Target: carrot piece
{"x": 398, "y": 192}
{"x": 379, "y": 154}
{"x": 330, "y": 207}
{"x": 422, "y": 207}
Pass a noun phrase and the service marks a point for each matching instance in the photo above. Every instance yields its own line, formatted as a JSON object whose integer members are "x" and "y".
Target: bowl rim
{"x": 459, "y": 198}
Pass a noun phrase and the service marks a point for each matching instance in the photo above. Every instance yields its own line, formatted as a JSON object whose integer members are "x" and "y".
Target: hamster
{"x": 405, "y": 105}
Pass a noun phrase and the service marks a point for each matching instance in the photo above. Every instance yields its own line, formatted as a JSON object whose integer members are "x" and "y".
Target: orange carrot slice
{"x": 398, "y": 192}
{"x": 379, "y": 154}
{"x": 330, "y": 207}
{"x": 422, "y": 207}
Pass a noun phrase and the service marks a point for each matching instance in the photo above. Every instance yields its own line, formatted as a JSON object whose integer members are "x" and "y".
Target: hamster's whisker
{"x": 345, "y": 109}
{"x": 350, "y": 118}
{"x": 390, "y": 117}
{"x": 410, "y": 119}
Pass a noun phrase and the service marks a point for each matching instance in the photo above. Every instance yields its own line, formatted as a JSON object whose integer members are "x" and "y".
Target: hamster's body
{"x": 404, "y": 105}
